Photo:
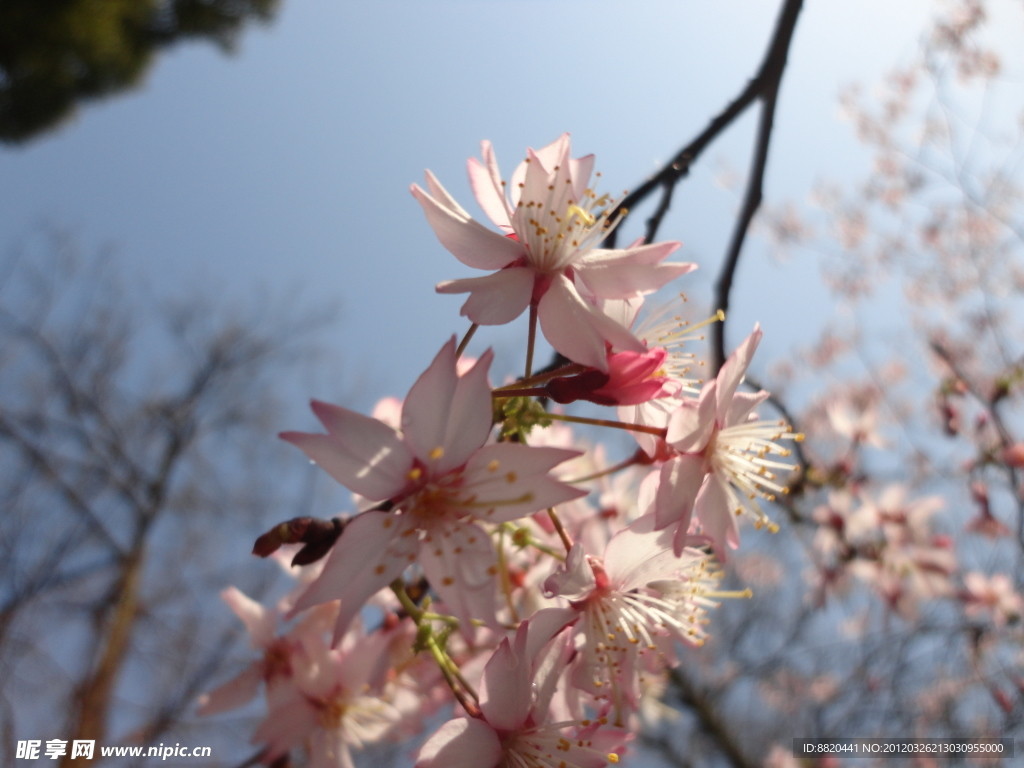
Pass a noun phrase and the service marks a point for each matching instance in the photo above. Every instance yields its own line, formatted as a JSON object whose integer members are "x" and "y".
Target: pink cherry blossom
{"x": 316, "y": 697}
{"x": 546, "y": 254}
{"x": 639, "y": 598}
{"x": 331, "y": 705}
{"x": 904, "y": 561}
{"x": 437, "y": 480}
{"x": 632, "y": 378}
{"x": 514, "y": 729}
{"x": 663, "y": 331}
{"x": 272, "y": 666}
{"x": 720, "y": 464}
{"x": 856, "y": 421}
{"x": 994, "y": 595}
{"x": 985, "y": 522}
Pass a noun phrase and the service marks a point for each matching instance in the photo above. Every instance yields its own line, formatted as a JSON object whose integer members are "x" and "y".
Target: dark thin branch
{"x": 711, "y": 724}
{"x": 669, "y": 752}
{"x": 171, "y": 710}
{"x": 81, "y": 405}
{"x": 771, "y": 72}
{"x": 764, "y": 82}
{"x": 991, "y": 403}
{"x": 46, "y": 581}
{"x": 37, "y": 457}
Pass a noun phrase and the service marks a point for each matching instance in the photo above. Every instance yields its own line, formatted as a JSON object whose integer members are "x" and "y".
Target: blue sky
{"x": 285, "y": 169}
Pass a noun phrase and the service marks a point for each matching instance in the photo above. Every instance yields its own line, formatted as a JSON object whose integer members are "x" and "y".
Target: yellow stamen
{"x": 588, "y": 219}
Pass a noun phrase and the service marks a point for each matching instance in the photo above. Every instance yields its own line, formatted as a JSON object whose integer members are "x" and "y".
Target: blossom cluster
{"x": 498, "y": 567}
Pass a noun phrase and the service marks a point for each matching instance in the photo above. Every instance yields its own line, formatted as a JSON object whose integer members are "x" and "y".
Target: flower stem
{"x": 604, "y": 472}
{"x": 449, "y": 670}
{"x": 566, "y": 541}
{"x": 431, "y": 616}
{"x": 446, "y": 671}
{"x": 659, "y": 431}
{"x": 521, "y": 392}
{"x": 465, "y": 340}
{"x": 540, "y": 378}
{"x": 548, "y": 551}
{"x": 414, "y": 611}
{"x": 509, "y": 527}
{"x": 506, "y": 582}
{"x": 531, "y": 340}
{"x": 465, "y": 683}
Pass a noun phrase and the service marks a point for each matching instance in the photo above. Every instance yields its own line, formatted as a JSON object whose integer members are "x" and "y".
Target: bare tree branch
{"x": 712, "y": 723}
{"x": 770, "y": 77}
{"x": 764, "y": 84}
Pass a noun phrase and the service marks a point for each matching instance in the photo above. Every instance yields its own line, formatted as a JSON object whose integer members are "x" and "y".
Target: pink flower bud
{"x": 1013, "y": 455}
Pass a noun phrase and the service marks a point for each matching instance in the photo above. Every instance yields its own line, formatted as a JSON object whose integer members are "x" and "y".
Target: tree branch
{"x": 37, "y": 457}
{"x": 712, "y": 724}
{"x": 771, "y": 76}
{"x": 765, "y": 81}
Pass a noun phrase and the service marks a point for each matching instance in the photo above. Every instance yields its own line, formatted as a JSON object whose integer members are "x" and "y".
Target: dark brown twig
{"x": 765, "y": 82}
{"x": 770, "y": 76}
{"x": 712, "y": 724}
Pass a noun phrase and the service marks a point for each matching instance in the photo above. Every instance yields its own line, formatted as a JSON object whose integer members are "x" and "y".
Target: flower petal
{"x": 742, "y": 405}
{"x": 506, "y": 690}
{"x": 459, "y": 562}
{"x": 555, "y": 153}
{"x": 260, "y": 622}
{"x": 372, "y": 552}
{"x": 717, "y": 520}
{"x": 485, "y": 181}
{"x": 290, "y": 720}
{"x": 540, "y": 188}
{"x": 574, "y": 580}
{"x": 544, "y": 625}
{"x": 622, "y": 311}
{"x": 363, "y": 454}
{"x": 647, "y": 493}
{"x": 441, "y": 195}
{"x": 733, "y": 371}
{"x": 365, "y": 660}
{"x": 494, "y": 299}
{"x": 465, "y": 742}
{"x": 681, "y": 480}
{"x": 547, "y": 158}
{"x": 329, "y": 750}
{"x": 636, "y": 254}
{"x": 580, "y": 169}
{"x": 639, "y": 554}
{"x": 234, "y": 693}
{"x": 633, "y": 378}
{"x": 547, "y": 671}
{"x": 623, "y": 281}
{"x": 691, "y": 424}
{"x": 579, "y": 330}
{"x": 471, "y": 415}
{"x": 514, "y": 479}
{"x": 654, "y": 413}
{"x": 445, "y": 417}
{"x": 427, "y": 407}
{"x": 468, "y": 240}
